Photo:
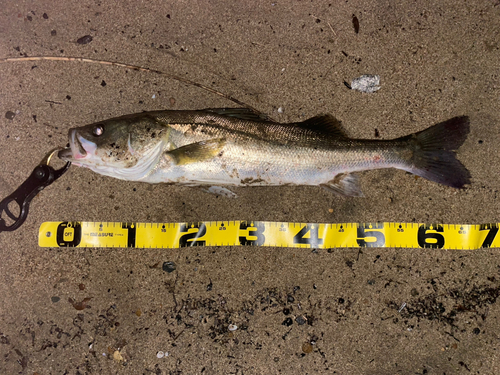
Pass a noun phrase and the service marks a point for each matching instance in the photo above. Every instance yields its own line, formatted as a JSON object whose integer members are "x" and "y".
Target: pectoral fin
{"x": 196, "y": 152}
{"x": 344, "y": 184}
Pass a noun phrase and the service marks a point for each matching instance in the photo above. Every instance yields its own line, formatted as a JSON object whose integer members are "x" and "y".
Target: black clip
{"x": 41, "y": 177}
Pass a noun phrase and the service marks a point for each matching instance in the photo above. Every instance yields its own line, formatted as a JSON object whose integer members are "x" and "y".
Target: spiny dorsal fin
{"x": 196, "y": 152}
{"x": 325, "y": 124}
{"x": 239, "y": 113}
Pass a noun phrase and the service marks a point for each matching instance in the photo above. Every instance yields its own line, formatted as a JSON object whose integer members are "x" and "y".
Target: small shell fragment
{"x": 160, "y": 354}
{"x": 366, "y": 83}
{"x": 402, "y": 307}
{"x": 117, "y": 356}
{"x": 232, "y": 327}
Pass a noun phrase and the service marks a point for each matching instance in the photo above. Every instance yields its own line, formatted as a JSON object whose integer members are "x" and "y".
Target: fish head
{"x": 126, "y": 147}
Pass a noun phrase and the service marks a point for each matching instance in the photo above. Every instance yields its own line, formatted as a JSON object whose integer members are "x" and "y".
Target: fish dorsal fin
{"x": 196, "y": 152}
{"x": 239, "y": 113}
{"x": 325, "y": 124}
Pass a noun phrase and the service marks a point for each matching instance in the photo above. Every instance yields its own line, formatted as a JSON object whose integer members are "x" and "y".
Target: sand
{"x": 297, "y": 311}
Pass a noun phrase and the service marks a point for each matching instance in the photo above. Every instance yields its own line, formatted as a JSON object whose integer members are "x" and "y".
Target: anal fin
{"x": 345, "y": 184}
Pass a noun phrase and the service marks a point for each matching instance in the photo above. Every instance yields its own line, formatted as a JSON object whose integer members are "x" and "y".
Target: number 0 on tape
{"x": 264, "y": 233}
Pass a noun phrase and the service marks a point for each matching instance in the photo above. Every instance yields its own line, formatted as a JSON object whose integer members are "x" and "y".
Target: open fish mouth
{"x": 79, "y": 149}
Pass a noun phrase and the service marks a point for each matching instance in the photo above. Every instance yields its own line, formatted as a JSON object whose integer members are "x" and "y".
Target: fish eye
{"x": 98, "y": 130}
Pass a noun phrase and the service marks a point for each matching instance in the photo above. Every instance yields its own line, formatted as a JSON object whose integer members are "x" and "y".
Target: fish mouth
{"x": 79, "y": 149}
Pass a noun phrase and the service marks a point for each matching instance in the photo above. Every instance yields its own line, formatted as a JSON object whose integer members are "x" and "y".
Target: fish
{"x": 224, "y": 147}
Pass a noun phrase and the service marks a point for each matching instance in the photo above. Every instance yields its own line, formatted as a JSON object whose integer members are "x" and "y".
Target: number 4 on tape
{"x": 264, "y": 233}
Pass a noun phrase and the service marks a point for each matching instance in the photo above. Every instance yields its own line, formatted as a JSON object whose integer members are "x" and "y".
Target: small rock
{"x": 307, "y": 347}
{"x": 287, "y": 322}
{"x": 80, "y": 305}
{"x": 169, "y": 267}
{"x": 117, "y": 356}
{"x": 84, "y": 39}
{"x": 300, "y": 320}
{"x": 366, "y": 83}
{"x": 9, "y": 115}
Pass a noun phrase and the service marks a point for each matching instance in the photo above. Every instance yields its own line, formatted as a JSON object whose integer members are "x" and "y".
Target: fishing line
{"x": 132, "y": 67}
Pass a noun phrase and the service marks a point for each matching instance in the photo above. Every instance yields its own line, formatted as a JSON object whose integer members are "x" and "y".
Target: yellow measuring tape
{"x": 265, "y": 233}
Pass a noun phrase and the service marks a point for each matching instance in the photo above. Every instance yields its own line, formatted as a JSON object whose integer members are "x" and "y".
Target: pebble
{"x": 169, "y": 267}
{"x": 300, "y": 320}
{"x": 307, "y": 347}
{"x": 117, "y": 356}
{"x": 84, "y": 39}
{"x": 366, "y": 83}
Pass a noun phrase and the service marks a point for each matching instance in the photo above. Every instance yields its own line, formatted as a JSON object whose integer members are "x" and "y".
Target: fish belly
{"x": 264, "y": 165}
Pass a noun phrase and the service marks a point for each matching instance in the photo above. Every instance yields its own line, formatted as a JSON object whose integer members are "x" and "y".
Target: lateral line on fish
{"x": 269, "y": 234}
{"x": 133, "y": 67}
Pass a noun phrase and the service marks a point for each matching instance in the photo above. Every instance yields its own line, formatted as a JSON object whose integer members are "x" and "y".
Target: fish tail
{"x": 434, "y": 155}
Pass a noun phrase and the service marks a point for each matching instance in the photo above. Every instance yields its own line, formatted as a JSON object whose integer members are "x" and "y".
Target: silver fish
{"x": 235, "y": 147}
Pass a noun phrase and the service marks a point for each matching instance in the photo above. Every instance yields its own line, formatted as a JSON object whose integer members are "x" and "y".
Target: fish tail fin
{"x": 434, "y": 155}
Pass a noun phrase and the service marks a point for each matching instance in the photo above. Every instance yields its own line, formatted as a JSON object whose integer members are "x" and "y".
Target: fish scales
{"x": 235, "y": 147}
{"x": 273, "y": 154}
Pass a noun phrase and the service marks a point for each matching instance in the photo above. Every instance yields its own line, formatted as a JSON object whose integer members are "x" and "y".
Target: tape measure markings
{"x": 262, "y": 233}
